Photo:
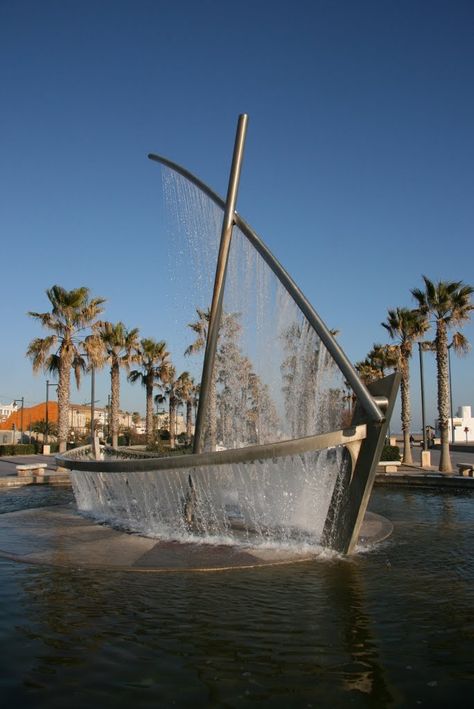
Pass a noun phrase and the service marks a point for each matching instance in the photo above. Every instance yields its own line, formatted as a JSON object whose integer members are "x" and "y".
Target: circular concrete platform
{"x": 60, "y": 536}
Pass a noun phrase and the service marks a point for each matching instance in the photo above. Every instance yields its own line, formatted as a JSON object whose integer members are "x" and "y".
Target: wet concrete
{"x": 60, "y": 536}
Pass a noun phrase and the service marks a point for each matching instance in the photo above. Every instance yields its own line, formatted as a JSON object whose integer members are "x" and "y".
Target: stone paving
{"x": 417, "y": 476}
{"x": 48, "y": 475}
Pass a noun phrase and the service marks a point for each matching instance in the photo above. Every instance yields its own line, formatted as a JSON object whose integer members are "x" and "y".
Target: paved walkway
{"x": 8, "y": 463}
{"x": 417, "y": 476}
{"x": 49, "y": 475}
{"x": 456, "y": 457}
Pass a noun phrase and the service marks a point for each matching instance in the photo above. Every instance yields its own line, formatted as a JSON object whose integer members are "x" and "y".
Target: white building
{"x": 7, "y": 410}
{"x": 463, "y": 426}
{"x": 80, "y": 419}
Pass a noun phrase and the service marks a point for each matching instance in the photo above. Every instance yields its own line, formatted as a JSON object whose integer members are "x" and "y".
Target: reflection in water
{"x": 392, "y": 627}
{"x": 363, "y": 672}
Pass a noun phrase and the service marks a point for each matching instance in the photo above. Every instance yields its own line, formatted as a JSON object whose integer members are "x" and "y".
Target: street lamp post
{"x": 109, "y": 404}
{"x": 46, "y": 435}
{"x": 425, "y": 453}
{"x": 21, "y": 415}
{"x": 92, "y": 403}
{"x": 425, "y": 440}
{"x": 93, "y": 407}
{"x": 451, "y": 392}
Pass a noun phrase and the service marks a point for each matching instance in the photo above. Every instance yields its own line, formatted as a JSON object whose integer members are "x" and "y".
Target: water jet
{"x": 287, "y": 436}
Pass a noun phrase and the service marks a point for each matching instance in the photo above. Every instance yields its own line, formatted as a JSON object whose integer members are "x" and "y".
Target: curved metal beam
{"x": 280, "y": 449}
{"x": 333, "y": 347}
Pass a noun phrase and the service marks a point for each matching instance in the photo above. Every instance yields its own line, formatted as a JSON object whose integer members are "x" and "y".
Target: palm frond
{"x": 136, "y": 376}
{"x": 39, "y": 350}
{"x": 79, "y": 366}
{"x": 460, "y": 344}
{"x": 52, "y": 364}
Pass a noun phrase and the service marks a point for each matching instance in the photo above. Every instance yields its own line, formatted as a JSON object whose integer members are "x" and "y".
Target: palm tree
{"x": 449, "y": 304}
{"x": 44, "y": 428}
{"x": 367, "y": 371}
{"x": 187, "y": 394}
{"x": 170, "y": 391}
{"x": 178, "y": 390}
{"x": 120, "y": 346}
{"x": 200, "y": 327}
{"x": 301, "y": 369}
{"x": 406, "y": 326}
{"x": 226, "y": 351}
{"x": 73, "y": 313}
{"x": 380, "y": 358}
{"x": 383, "y": 357}
{"x": 153, "y": 358}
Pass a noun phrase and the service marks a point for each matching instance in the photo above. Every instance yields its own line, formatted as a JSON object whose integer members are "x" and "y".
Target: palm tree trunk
{"x": 149, "y": 409}
{"x": 114, "y": 401}
{"x": 212, "y": 414}
{"x": 172, "y": 421}
{"x": 189, "y": 422}
{"x": 64, "y": 385}
{"x": 443, "y": 395}
{"x": 406, "y": 410}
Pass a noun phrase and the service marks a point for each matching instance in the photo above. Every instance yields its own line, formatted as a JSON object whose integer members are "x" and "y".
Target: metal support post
{"x": 219, "y": 283}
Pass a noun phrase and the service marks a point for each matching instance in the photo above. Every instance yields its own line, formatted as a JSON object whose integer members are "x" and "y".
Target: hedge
{"x": 390, "y": 453}
{"x": 27, "y": 448}
{"x": 18, "y": 449}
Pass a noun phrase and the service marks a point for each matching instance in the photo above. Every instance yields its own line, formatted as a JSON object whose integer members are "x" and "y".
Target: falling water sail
{"x": 287, "y": 436}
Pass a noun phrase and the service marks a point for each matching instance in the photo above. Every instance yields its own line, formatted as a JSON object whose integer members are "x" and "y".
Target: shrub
{"x": 182, "y": 450}
{"x": 135, "y": 439}
{"x": 390, "y": 453}
{"x": 156, "y": 447}
{"x": 17, "y": 449}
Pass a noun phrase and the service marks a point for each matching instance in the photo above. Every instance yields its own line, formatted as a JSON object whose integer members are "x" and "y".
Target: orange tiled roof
{"x": 30, "y": 415}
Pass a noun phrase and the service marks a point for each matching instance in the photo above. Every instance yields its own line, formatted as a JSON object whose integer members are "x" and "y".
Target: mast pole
{"x": 219, "y": 282}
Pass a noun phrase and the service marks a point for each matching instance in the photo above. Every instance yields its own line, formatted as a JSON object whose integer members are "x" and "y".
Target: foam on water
{"x": 280, "y": 501}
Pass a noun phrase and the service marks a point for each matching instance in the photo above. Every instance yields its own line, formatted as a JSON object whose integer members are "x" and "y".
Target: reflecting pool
{"x": 389, "y": 627}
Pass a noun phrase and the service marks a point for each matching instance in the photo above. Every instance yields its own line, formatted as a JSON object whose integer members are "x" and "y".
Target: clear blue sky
{"x": 358, "y": 169}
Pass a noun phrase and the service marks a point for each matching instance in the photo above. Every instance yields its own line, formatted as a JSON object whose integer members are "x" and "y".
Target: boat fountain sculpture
{"x": 287, "y": 436}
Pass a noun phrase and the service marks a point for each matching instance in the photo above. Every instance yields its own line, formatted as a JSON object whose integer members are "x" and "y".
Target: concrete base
{"x": 389, "y": 466}
{"x": 426, "y": 459}
{"x": 60, "y": 536}
{"x": 429, "y": 480}
{"x": 43, "y": 477}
